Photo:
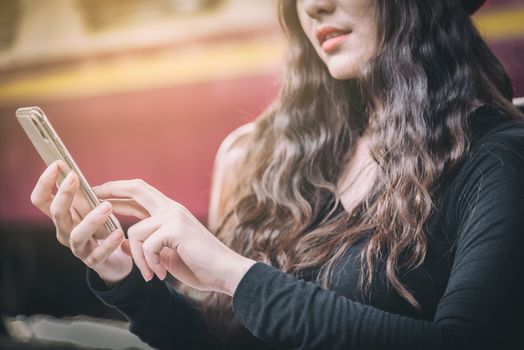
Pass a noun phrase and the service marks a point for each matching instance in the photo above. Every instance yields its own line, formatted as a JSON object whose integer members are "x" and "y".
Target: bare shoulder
{"x": 234, "y": 146}
{"x": 229, "y": 155}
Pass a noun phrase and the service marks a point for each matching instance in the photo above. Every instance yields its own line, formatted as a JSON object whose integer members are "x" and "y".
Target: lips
{"x": 330, "y": 38}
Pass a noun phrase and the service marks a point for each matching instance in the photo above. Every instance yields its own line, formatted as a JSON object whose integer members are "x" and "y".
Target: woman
{"x": 377, "y": 204}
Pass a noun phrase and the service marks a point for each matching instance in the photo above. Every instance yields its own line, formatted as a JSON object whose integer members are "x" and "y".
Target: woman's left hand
{"x": 170, "y": 239}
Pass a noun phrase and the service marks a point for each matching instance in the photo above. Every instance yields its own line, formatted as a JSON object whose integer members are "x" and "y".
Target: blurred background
{"x": 136, "y": 89}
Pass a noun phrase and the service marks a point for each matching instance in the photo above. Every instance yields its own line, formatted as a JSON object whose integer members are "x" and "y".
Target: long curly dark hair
{"x": 414, "y": 100}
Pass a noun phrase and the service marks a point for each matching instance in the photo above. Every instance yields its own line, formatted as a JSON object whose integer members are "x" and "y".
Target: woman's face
{"x": 343, "y": 33}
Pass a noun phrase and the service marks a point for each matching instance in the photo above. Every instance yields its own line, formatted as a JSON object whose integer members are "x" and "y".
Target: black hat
{"x": 472, "y": 5}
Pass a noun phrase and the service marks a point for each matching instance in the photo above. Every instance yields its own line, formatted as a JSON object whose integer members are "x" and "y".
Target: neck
{"x": 358, "y": 175}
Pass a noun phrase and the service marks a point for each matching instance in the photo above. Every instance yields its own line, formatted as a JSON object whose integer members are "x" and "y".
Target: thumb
{"x": 126, "y": 248}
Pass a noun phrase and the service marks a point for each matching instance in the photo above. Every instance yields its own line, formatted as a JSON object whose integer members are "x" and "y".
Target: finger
{"x": 145, "y": 195}
{"x": 170, "y": 259}
{"x": 42, "y": 194}
{"x": 165, "y": 257}
{"x": 137, "y": 234}
{"x": 93, "y": 222}
{"x": 125, "y": 248}
{"x": 81, "y": 204}
{"x": 103, "y": 251}
{"x": 152, "y": 247}
{"x": 129, "y": 207}
{"x": 60, "y": 208}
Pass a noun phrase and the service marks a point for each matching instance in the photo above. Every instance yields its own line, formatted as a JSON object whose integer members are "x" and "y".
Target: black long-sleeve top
{"x": 468, "y": 286}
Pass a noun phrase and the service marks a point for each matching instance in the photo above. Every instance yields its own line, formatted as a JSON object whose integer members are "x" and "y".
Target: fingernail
{"x": 148, "y": 277}
{"x": 68, "y": 178}
{"x": 104, "y": 207}
{"x": 116, "y": 235}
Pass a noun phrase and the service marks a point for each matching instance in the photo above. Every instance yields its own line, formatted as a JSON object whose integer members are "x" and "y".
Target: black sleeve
{"x": 158, "y": 315}
{"x": 481, "y": 307}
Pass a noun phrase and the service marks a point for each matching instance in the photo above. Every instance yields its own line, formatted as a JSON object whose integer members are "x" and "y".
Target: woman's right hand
{"x": 106, "y": 257}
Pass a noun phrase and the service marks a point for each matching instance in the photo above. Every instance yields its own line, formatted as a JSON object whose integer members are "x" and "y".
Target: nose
{"x": 317, "y": 8}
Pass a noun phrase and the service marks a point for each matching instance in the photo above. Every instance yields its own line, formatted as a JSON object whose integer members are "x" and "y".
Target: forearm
{"x": 238, "y": 267}
{"x": 293, "y": 314}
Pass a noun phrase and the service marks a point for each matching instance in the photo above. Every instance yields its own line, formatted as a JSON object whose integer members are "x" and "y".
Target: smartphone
{"x": 51, "y": 148}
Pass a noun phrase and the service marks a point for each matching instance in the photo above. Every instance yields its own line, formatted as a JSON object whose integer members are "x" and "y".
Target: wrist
{"x": 114, "y": 276}
{"x": 238, "y": 269}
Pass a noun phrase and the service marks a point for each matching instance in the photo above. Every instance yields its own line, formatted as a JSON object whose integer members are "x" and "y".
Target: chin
{"x": 342, "y": 74}
{"x": 342, "y": 70}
